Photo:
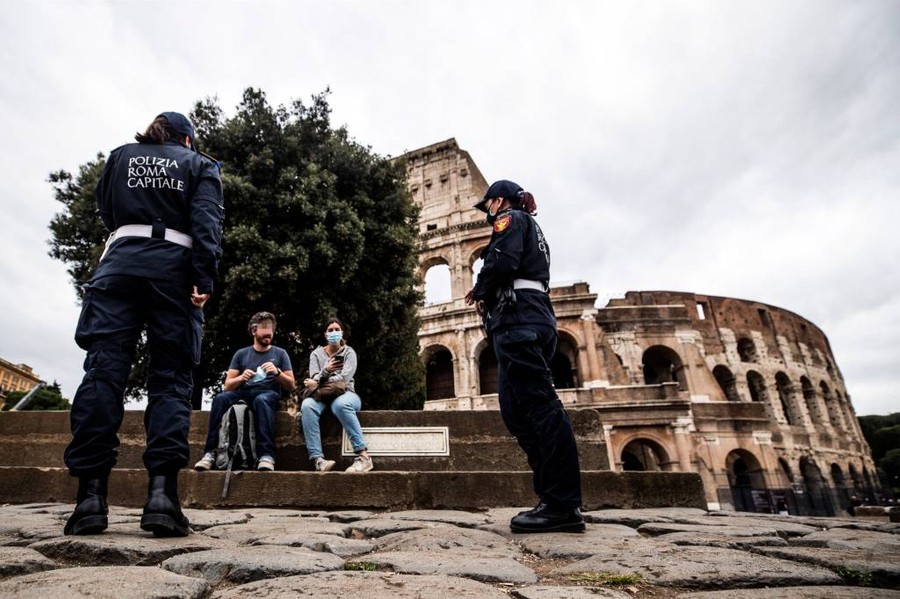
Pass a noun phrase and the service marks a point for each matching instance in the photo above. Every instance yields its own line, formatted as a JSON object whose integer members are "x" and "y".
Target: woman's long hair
{"x": 526, "y": 203}
{"x": 158, "y": 132}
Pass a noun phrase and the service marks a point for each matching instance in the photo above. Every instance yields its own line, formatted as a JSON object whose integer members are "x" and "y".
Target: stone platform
{"x": 484, "y": 469}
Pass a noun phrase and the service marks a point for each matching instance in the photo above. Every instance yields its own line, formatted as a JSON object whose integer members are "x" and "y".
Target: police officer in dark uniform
{"x": 511, "y": 295}
{"x": 162, "y": 202}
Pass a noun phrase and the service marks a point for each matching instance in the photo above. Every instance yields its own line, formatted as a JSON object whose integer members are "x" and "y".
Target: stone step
{"x": 392, "y": 490}
{"x": 478, "y": 440}
{"x": 485, "y": 467}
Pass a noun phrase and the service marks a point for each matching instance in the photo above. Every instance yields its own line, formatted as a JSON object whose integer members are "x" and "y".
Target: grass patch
{"x": 361, "y": 566}
{"x": 860, "y": 578}
{"x": 606, "y": 578}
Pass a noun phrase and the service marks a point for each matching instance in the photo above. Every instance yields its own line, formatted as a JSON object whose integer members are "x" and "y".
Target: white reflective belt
{"x": 529, "y": 284}
{"x": 171, "y": 235}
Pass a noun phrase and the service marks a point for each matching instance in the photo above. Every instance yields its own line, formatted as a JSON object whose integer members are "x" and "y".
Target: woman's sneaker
{"x": 323, "y": 465}
{"x": 361, "y": 464}
{"x": 206, "y": 463}
{"x": 266, "y": 463}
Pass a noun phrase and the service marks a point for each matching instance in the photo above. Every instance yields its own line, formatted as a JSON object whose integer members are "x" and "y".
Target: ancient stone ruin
{"x": 746, "y": 394}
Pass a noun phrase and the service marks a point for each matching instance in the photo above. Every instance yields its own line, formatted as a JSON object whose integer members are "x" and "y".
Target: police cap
{"x": 500, "y": 189}
{"x": 180, "y": 124}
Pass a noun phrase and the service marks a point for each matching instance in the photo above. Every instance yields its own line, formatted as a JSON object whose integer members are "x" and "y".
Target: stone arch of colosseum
{"x": 645, "y": 450}
{"x": 746, "y": 480}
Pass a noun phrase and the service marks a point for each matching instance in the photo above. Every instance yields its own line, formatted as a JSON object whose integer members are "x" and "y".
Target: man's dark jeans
{"x": 263, "y": 402}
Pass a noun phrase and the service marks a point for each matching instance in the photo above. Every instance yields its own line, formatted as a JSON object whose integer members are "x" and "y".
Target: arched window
{"x": 817, "y": 499}
{"x": 726, "y": 382}
{"x": 663, "y": 365}
{"x": 563, "y": 373}
{"x": 487, "y": 371}
{"x": 786, "y": 472}
{"x": 785, "y": 396}
{"x": 437, "y": 284}
{"x": 834, "y": 413}
{"x": 837, "y": 476}
{"x": 746, "y": 349}
{"x": 745, "y": 474}
{"x": 757, "y": 385}
{"x": 840, "y": 486}
{"x": 855, "y": 478}
{"x": 644, "y": 455}
{"x": 439, "y": 374}
{"x": 476, "y": 268}
{"x": 562, "y": 364}
{"x": 812, "y": 402}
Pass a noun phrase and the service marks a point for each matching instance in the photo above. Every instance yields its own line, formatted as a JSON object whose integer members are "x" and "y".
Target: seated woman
{"x": 335, "y": 361}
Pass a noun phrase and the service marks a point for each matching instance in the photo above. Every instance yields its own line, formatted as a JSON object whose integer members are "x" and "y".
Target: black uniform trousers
{"x": 533, "y": 413}
{"x": 115, "y": 311}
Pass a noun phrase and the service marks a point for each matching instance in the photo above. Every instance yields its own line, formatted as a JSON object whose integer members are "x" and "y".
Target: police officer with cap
{"x": 162, "y": 202}
{"x": 512, "y": 296}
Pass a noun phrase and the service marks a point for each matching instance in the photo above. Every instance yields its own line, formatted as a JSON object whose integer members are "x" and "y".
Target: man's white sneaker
{"x": 323, "y": 465}
{"x": 361, "y": 464}
{"x": 205, "y": 463}
{"x": 267, "y": 463}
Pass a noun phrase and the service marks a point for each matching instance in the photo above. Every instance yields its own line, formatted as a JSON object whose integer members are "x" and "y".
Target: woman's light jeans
{"x": 344, "y": 408}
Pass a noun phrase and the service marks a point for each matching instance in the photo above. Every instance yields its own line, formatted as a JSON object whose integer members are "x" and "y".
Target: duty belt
{"x": 170, "y": 235}
{"x": 529, "y": 284}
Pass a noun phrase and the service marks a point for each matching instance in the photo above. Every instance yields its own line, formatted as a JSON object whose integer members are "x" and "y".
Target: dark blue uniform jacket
{"x": 170, "y": 186}
{"x": 517, "y": 250}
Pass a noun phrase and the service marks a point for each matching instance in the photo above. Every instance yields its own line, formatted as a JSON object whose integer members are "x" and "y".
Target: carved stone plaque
{"x": 403, "y": 441}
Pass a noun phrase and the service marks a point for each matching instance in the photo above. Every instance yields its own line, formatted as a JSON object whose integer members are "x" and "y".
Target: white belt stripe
{"x": 529, "y": 284}
{"x": 171, "y": 235}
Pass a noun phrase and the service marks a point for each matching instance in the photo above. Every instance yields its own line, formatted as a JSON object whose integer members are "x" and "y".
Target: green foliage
{"x": 46, "y": 398}
{"x": 871, "y": 425}
{"x": 606, "y": 578}
{"x": 890, "y": 467}
{"x": 882, "y": 433}
{"x": 884, "y": 440}
{"x": 361, "y": 566}
{"x": 77, "y": 233}
{"x": 316, "y": 226}
{"x": 853, "y": 576}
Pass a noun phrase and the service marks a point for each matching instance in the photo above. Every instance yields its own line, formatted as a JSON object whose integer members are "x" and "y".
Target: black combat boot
{"x": 162, "y": 512}
{"x": 90, "y": 515}
{"x": 548, "y": 519}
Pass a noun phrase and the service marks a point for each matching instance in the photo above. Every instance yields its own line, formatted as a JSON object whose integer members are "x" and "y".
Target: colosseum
{"x": 746, "y": 394}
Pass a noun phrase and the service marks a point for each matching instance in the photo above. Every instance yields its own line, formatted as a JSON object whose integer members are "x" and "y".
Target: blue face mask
{"x": 334, "y": 337}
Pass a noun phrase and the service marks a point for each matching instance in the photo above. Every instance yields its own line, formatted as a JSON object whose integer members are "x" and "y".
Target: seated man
{"x": 257, "y": 375}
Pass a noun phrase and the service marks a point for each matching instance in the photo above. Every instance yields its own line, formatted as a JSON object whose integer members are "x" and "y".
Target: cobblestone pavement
{"x": 274, "y": 553}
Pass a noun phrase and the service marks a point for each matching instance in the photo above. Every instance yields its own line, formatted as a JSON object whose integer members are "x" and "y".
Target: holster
{"x": 506, "y": 299}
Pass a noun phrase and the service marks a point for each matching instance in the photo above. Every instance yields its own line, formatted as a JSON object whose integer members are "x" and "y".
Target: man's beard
{"x": 265, "y": 340}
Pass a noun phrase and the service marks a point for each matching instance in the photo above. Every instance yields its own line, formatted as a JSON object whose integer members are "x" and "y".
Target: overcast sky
{"x": 744, "y": 149}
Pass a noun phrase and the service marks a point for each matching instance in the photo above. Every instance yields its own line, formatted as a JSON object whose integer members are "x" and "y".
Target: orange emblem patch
{"x": 502, "y": 223}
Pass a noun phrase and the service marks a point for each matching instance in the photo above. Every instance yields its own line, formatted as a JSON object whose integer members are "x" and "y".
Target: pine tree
{"x": 316, "y": 225}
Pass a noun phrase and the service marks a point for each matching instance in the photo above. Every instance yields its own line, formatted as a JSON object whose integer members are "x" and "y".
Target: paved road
{"x": 275, "y": 553}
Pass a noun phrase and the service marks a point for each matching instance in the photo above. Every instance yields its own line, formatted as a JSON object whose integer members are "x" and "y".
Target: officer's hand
{"x": 470, "y": 297}
{"x": 247, "y": 375}
{"x": 198, "y": 299}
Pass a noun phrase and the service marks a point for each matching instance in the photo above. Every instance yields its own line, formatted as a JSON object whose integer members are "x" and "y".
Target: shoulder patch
{"x": 502, "y": 223}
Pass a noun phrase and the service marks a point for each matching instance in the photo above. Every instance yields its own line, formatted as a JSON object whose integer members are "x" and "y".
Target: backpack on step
{"x": 237, "y": 441}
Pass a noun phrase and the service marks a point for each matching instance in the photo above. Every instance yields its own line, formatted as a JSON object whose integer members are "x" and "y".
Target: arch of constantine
{"x": 746, "y": 394}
